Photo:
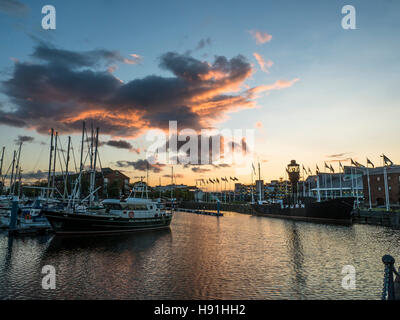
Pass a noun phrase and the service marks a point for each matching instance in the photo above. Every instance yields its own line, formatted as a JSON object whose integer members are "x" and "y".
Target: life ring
{"x": 131, "y": 214}
{"x": 28, "y": 217}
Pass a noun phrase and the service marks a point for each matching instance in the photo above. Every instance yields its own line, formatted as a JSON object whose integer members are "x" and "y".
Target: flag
{"x": 304, "y": 169}
{"x": 341, "y": 166}
{"x": 317, "y": 170}
{"x": 211, "y": 181}
{"x": 369, "y": 162}
{"x": 386, "y": 160}
{"x": 235, "y": 179}
{"x": 353, "y": 163}
{"x": 217, "y": 180}
{"x": 231, "y": 179}
{"x": 309, "y": 171}
{"x": 359, "y": 165}
{"x": 332, "y": 170}
{"x": 254, "y": 169}
{"x": 326, "y": 166}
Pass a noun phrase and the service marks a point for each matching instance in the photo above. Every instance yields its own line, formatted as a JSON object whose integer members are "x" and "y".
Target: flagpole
{"x": 369, "y": 188}
{"x": 340, "y": 179}
{"x": 318, "y": 191}
{"x": 386, "y": 188}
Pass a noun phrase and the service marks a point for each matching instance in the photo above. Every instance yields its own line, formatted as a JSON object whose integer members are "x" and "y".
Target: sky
{"x": 310, "y": 90}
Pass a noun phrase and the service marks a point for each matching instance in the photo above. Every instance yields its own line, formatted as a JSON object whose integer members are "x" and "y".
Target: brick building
{"x": 105, "y": 179}
{"x": 377, "y": 185}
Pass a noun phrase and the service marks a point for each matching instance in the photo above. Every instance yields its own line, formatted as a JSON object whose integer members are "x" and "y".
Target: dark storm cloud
{"x": 141, "y": 165}
{"x": 63, "y": 88}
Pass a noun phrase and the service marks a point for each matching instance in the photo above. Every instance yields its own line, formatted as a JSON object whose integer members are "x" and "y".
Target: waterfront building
{"x": 377, "y": 185}
{"x": 334, "y": 185}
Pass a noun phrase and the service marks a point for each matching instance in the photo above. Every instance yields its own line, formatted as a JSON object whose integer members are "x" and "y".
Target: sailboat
{"x": 112, "y": 216}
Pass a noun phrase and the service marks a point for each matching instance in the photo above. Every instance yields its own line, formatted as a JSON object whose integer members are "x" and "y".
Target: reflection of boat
{"x": 118, "y": 216}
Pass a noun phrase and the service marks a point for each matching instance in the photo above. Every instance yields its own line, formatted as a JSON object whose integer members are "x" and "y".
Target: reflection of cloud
{"x": 260, "y": 37}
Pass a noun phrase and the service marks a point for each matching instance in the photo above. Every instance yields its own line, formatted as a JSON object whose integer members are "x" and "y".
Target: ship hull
{"x": 72, "y": 223}
{"x": 335, "y": 211}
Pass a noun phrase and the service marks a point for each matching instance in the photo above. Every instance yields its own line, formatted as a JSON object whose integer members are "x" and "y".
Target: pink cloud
{"x": 264, "y": 65}
{"x": 260, "y": 37}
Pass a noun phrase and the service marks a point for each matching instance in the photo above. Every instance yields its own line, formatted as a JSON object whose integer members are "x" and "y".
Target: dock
{"x": 196, "y": 211}
{"x": 377, "y": 217}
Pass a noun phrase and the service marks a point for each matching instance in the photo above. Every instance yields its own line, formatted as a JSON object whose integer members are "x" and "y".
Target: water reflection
{"x": 202, "y": 257}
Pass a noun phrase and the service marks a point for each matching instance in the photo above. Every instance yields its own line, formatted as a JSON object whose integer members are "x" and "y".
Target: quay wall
{"x": 380, "y": 218}
{"x": 374, "y": 217}
{"x": 240, "y": 208}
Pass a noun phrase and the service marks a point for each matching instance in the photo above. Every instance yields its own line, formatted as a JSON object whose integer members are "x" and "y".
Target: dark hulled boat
{"x": 116, "y": 217}
{"x": 337, "y": 210}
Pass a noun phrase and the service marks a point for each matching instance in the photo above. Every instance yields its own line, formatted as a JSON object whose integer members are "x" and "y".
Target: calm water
{"x": 202, "y": 257}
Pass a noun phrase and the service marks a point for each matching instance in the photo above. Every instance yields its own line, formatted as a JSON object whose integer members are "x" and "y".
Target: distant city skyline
{"x": 311, "y": 90}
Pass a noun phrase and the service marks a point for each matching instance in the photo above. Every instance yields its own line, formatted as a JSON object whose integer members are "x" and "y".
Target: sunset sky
{"x": 311, "y": 90}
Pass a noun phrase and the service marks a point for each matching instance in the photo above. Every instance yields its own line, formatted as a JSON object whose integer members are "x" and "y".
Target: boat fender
{"x": 131, "y": 214}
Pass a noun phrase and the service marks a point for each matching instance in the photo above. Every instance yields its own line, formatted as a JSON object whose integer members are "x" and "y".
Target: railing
{"x": 389, "y": 292}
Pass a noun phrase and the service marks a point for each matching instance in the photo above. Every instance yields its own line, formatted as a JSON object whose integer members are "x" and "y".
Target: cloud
{"x": 72, "y": 59}
{"x": 141, "y": 165}
{"x": 200, "y": 170}
{"x": 65, "y": 87}
{"x": 259, "y": 125}
{"x": 202, "y": 43}
{"x": 14, "y": 8}
{"x": 338, "y": 155}
{"x": 264, "y": 65}
{"x": 260, "y": 37}
{"x": 121, "y": 144}
{"x": 22, "y": 139}
{"x": 176, "y": 175}
{"x": 279, "y": 84}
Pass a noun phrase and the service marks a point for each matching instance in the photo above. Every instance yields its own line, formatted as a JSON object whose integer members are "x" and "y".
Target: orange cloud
{"x": 260, "y": 37}
{"x": 264, "y": 65}
{"x": 280, "y": 84}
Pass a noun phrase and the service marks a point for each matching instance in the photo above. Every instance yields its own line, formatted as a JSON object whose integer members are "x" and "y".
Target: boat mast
{"x": 54, "y": 164}
{"x": 66, "y": 168}
{"x": 93, "y": 172}
{"x": 17, "y": 167}
{"x": 49, "y": 175}
{"x": 81, "y": 163}
{"x": 1, "y": 170}
{"x": 12, "y": 173}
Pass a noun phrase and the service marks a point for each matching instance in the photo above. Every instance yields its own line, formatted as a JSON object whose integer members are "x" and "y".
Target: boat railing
{"x": 391, "y": 286}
